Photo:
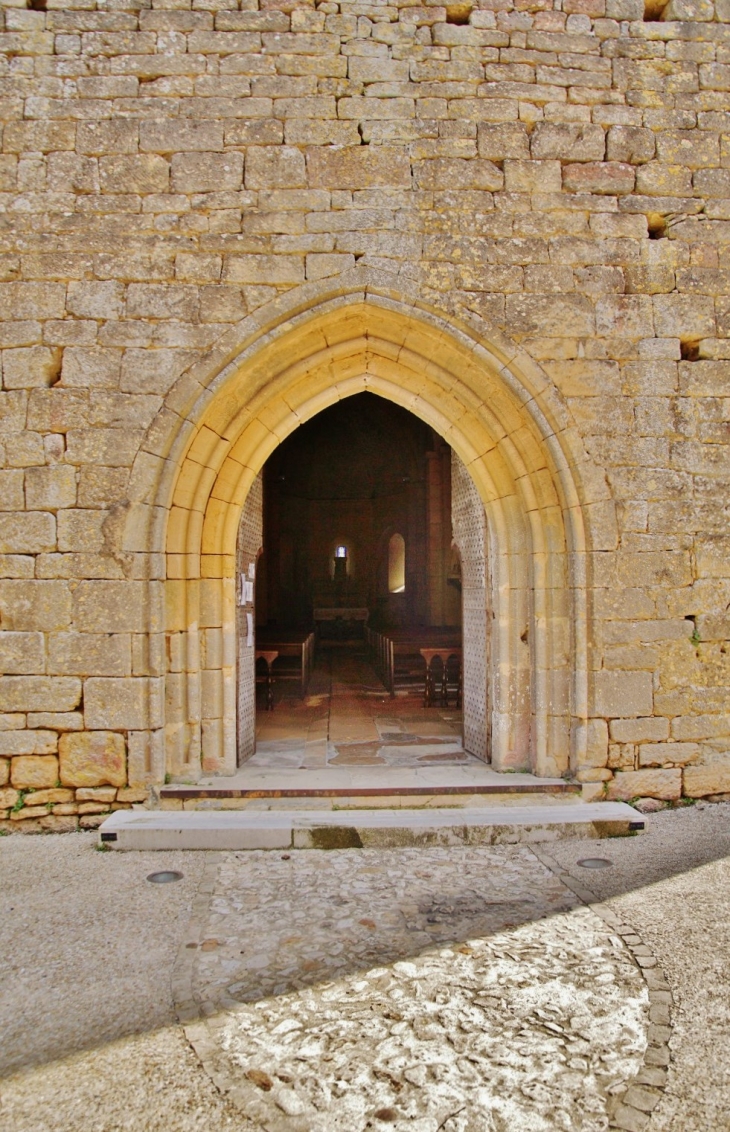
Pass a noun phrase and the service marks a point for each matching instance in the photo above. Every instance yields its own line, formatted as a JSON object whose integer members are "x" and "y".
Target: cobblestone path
{"x": 438, "y": 991}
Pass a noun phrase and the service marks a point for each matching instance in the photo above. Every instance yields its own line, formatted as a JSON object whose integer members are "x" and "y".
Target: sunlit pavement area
{"x": 434, "y": 990}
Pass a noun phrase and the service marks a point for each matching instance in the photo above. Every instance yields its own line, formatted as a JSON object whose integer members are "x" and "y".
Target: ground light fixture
{"x": 595, "y": 863}
{"x": 166, "y": 876}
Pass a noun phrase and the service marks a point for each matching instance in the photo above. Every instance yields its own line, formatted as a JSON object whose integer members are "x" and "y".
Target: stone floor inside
{"x": 348, "y": 718}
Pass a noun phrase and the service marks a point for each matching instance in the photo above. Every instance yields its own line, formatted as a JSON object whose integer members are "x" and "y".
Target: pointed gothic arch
{"x": 492, "y": 404}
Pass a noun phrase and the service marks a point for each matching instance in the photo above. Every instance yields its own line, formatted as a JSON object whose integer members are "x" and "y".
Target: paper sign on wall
{"x": 248, "y": 592}
{"x": 252, "y": 570}
{"x": 249, "y": 628}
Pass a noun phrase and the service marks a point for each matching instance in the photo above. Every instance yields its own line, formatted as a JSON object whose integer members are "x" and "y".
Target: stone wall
{"x": 557, "y": 171}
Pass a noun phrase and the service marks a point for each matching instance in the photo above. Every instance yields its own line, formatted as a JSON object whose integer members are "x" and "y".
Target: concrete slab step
{"x": 282, "y": 829}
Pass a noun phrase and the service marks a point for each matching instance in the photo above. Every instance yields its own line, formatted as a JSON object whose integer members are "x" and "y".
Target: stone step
{"x": 362, "y": 786}
{"x": 312, "y": 829}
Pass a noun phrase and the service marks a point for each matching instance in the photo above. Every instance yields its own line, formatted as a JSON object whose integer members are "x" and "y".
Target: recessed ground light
{"x": 595, "y": 863}
{"x": 164, "y": 877}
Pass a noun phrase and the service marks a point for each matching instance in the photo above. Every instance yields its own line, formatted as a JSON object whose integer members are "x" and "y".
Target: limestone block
{"x": 170, "y": 136}
{"x": 4, "y": 771}
{"x": 614, "y": 177}
{"x": 92, "y": 758}
{"x": 146, "y": 761}
{"x": 623, "y": 693}
{"x": 357, "y": 167}
{"x": 698, "y": 781}
{"x": 32, "y": 300}
{"x": 95, "y": 299}
{"x": 54, "y": 796}
{"x": 657, "y": 179}
{"x": 110, "y": 607}
{"x": 28, "y": 743}
{"x": 270, "y": 269}
{"x": 700, "y": 727}
{"x": 12, "y": 497}
{"x": 134, "y": 173}
{"x": 459, "y": 174}
{"x": 89, "y": 654}
{"x": 39, "y": 693}
{"x": 121, "y": 704}
{"x": 541, "y": 314}
{"x": 532, "y": 176}
{"x": 321, "y": 266}
{"x": 50, "y": 488}
{"x": 30, "y": 532}
{"x": 34, "y": 772}
{"x": 651, "y": 729}
{"x": 111, "y": 447}
{"x": 663, "y": 754}
{"x": 594, "y": 734}
{"x": 566, "y": 142}
{"x": 698, "y": 10}
{"x": 21, "y": 653}
{"x": 56, "y": 410}
{"x": 634, "y": 145}
{"x": 683, "y": 316}
{"x": 106, "y": 137}
{"x": 29, "y": 366}
{"x": 275, "y": 167}
{"x": 8, "y": 798}
{"x": 81, "y": 530}
{"x": 151, "y": 300}
{"x": 152, "y": 371}
{"x": 105, "y": 794}
{"x": 34, "y": 605}
{"x": 38, "y": 137}
{"x": 206, "y": 172}
{"x": 59, "y": 721}
{"x": 627, "y": 784}
{"x": 496, "y": 141}
{"x": 691, "y": 148}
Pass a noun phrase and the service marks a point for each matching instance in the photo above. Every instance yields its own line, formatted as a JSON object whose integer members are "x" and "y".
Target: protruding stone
{"x": 92, "y": 758}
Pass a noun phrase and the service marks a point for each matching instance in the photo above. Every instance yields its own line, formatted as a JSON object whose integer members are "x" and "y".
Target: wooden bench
{"x": 294, "y": 643}
{"x": 408, "y": 644}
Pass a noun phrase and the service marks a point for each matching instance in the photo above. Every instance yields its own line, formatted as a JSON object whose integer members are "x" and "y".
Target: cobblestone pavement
{"x": 463, "y": 991}
{"x": 477, "y": 990}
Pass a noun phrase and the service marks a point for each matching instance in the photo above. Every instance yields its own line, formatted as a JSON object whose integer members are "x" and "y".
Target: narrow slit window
{"x": 397, "y": 564}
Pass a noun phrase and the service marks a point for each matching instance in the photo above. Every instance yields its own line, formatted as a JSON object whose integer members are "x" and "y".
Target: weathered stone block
{"x": 652, "y": 729}
{"x": 92, "y": 299}
{"x": 29, "y": 366}
{"x": 699, "y": 781}
{"x": 623, "y": 693}
{"x": 50, "y": 488}
{"x": 206, "y": 172}
{"x": 21, "y": 653}
{"x": 627, "y": 784}
{"x": 566, "y": 142}
{"x": 34, "y": 605}
{"x": 662, "y": 754}
{"x": 632, "y": 144}
{"x": 28, "y": 743}
{"x": 614, "y": 177}
{"x": 134, "y": 173}
{"x": 275, "y": 167}
{"x": 496, "y": 141}
{"x": 121, "y": 704}
{"x": 358, "y": 167}
{"x": 4, "y": 771}
{"x": 39, "y": 693}
{"x": 532, "y": 176}
{"x": 34, "y": 772}
{"x": 30, "y": 532}
{"x": 92, "y": 758}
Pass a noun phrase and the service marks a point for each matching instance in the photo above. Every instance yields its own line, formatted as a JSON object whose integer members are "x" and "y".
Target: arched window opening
{"x": 397, "y": 564}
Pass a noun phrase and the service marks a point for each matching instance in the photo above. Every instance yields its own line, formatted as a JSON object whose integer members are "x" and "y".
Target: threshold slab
{"x": 353, "y": 829}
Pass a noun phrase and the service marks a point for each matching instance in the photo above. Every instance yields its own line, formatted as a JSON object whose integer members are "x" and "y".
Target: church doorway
{"x": 359, "y": 544}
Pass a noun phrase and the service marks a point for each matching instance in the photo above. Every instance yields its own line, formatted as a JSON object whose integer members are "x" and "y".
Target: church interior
{"x": 358, "y": 594}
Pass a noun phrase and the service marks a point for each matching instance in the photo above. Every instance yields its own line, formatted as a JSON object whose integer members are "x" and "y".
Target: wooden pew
{"x": 290, "y": 643}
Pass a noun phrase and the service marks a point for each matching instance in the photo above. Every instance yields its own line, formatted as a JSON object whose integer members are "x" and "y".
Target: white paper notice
{"x": 248, "y": 592}
{"x": 242, "y": 589}
{"x": 252, "y": 570}
{"x": 249, "y": 627}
